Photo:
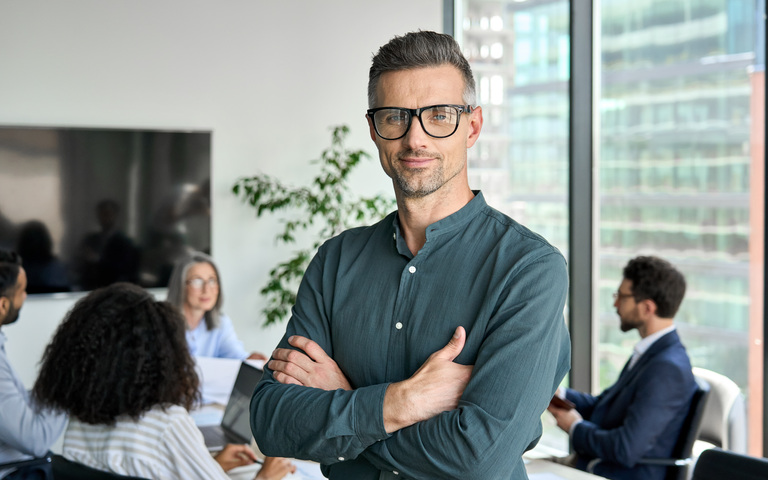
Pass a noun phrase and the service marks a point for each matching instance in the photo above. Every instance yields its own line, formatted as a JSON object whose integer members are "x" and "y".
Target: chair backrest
{"x": 64, "y": 469}
{"x": 39, "y": 468}
{"x": 718, "y": 464}
{"x": 725, "y": 417}
{"x": 690, "y": 430}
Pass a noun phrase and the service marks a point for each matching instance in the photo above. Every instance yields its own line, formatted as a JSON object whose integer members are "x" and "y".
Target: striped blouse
{"x": 162, "y": 445}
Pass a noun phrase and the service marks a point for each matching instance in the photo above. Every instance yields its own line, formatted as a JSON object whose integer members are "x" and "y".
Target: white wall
{"x": 246, "y": 69}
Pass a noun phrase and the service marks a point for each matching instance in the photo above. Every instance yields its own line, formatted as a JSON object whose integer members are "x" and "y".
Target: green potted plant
{"x": 326, "y": 207}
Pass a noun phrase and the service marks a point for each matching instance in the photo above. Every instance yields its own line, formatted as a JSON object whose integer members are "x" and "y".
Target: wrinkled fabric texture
{"x": 380, "y": 311}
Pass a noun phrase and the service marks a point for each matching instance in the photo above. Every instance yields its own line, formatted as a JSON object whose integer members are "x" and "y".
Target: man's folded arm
{"x": 518, "y": 368}
{"x": 314, "y": 424}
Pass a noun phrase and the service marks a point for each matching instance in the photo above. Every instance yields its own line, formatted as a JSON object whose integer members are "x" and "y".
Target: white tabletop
{"x": 540, "y": 469}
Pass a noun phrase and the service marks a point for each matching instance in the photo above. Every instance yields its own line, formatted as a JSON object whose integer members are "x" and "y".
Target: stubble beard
{"x": 411, "y": 186}
{"x": 420, "y": 182}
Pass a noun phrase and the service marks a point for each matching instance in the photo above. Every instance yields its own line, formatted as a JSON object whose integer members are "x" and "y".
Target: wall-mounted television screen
{"x": 86, "y": 207}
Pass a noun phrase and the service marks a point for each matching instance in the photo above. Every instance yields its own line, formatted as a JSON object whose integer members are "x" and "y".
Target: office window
{"x": 681, "y": 114}
{"x": 680, "y": 109}
{"x": 520, "y": 55}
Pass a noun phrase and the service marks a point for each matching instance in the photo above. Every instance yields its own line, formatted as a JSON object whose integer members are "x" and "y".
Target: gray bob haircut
{"x": 418, "y": 50}
{"x": 177, "y": 286}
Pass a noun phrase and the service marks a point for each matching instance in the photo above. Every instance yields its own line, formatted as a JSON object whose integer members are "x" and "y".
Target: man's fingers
{"x": 286, "y": 379}
{"x": 288, "y": 355}
{"x": 311, "y": 348}
{"x": 454, "y": 346}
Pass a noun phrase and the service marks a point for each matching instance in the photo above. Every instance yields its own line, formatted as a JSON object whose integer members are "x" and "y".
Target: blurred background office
{"x": 612, "y": 128}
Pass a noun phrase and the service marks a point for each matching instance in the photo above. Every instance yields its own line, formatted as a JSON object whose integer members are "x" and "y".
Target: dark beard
{"x": 627, "y": 325}
{"x": 12, "y": 316}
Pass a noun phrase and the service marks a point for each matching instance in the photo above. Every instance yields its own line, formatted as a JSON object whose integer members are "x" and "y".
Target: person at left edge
{"x": 25, "y": 431}
{"x": 195, "y": 288}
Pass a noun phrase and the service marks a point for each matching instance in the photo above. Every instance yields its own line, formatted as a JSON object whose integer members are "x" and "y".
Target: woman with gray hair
{"x": 194, "y": 288}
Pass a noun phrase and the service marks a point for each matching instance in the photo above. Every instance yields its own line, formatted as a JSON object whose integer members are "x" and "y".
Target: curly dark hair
{"x": 118, "y": 352}
{"x": 656, "y": 279}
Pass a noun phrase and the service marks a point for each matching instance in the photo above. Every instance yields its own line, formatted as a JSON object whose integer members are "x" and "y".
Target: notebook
{"x": 235, "y": 426}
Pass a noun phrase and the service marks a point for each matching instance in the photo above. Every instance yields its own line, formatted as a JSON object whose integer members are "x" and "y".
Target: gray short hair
{"x": 417, "y": 50}
{"x": 177, "y": 286}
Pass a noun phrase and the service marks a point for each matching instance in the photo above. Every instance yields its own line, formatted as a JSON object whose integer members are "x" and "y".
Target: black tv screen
{"x": 86, "y": 207}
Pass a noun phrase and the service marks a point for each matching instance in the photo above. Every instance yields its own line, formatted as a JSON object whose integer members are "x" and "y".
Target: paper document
{"x": 217, "y": 376}
{"x": 544, "y": 476}
{"x": 305, "y": 470}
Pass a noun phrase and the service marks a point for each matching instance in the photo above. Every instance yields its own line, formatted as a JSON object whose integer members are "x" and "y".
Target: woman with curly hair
{"x": 119, "y": 366}
{"x": 195, "y": 289}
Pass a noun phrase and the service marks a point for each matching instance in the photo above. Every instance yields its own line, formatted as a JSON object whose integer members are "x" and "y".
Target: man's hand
{"x": 564, "y": 417}
{"x": 311, "y": 367}
{"x": 436, "y": 387}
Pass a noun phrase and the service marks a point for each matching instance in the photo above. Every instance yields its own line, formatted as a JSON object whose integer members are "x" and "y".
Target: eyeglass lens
{"x": 198, "y": 283}
{"x": 438, "y": 121}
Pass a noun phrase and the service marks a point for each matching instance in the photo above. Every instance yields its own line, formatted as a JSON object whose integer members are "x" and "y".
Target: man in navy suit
{"x": 642, "y": 413}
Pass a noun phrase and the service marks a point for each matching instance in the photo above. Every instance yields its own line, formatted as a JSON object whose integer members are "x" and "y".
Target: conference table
{"x": 540, "y": 469}
{"x": 537, "y": 468}
{"x": 220, "y": 376}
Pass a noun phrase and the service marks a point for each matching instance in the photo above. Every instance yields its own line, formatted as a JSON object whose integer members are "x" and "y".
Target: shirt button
{"x": 341, "y": 459}
{"x": 398, "y": 325}
{"x": 395, "y": 472}
{"x": 412, "y": 269}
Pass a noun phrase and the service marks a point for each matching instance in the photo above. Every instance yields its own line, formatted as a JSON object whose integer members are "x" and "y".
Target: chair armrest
{"x": 30, "y": 462}
{"x": 27, "y": 463}
{"x": 670, "y": 462}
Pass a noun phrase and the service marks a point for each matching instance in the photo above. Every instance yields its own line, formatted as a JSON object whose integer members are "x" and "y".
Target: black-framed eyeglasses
{"x": 438, "y": 121}
{"x": 622, "y": 296}
{"x": 197, "y": 283}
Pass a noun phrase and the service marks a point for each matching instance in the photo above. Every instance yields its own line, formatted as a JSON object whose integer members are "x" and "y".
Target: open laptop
{"x": 235, "y": 426}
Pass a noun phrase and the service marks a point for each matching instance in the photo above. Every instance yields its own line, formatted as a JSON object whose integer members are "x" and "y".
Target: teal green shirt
{"x": 380, "y": 311}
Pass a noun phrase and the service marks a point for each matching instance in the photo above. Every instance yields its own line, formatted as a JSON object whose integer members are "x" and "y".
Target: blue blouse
{"x": 221, "y": 342}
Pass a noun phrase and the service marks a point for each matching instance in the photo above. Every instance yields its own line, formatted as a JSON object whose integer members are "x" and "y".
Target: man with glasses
{"x": 435, "y": 338}
{"x": 25, "y": 432}
{"x": 641, "y": 415}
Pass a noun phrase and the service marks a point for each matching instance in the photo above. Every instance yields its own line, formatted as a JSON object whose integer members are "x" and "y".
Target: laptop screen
{"x": 237, "y": 415}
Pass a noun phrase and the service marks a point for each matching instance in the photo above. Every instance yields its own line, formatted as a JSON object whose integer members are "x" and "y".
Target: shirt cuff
{"x": 573, "y": 427}
{"x": 369, "y": 413}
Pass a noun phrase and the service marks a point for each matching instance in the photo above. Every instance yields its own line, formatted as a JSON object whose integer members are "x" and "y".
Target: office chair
{"x": 32, "y": 469}
{"x": 679, "y": 464}
{"x": 64, "y": 469}
{"x": 725, "y": 417}
{"x": 718, "y": 464}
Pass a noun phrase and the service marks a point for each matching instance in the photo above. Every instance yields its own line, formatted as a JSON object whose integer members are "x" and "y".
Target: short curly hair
{"x": 118, "y": 352}
{"x": 656, "y": 279}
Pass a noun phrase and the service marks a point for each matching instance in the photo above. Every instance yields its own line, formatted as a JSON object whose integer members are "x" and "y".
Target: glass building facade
{"x": 678, "y": 163}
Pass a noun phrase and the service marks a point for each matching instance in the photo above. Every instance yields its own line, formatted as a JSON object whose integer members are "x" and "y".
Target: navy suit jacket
{"x": 638, "y": 416}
